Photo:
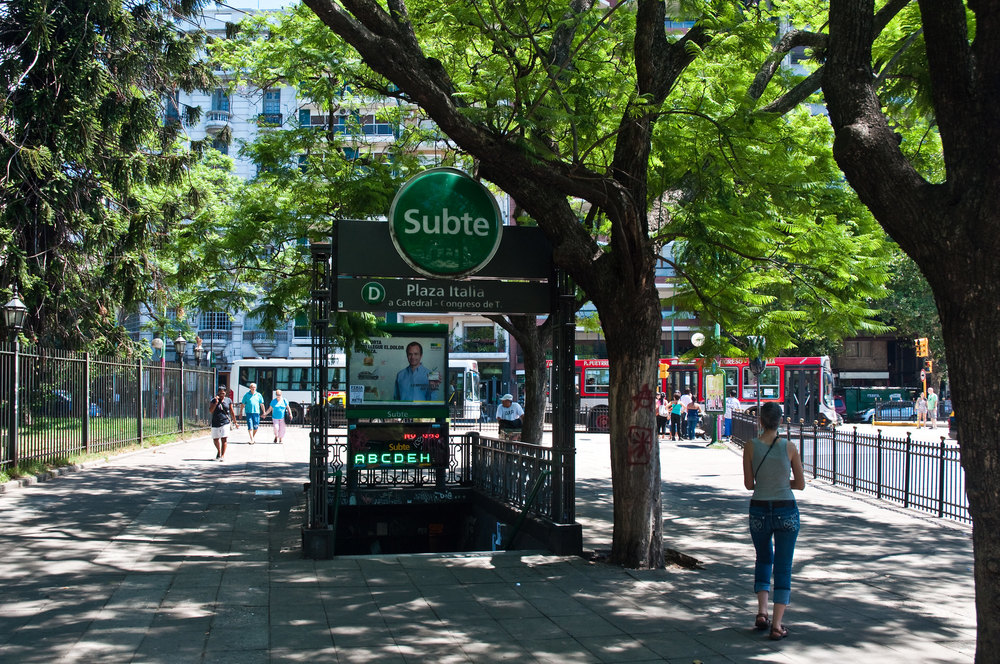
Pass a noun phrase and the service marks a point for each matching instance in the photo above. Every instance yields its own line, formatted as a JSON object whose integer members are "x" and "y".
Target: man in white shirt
{"x": 509, "y": 414}
{"x": 733, "y": 405}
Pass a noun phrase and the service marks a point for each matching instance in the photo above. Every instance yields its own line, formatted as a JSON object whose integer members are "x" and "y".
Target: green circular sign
{"x": 372, "y": 292}
{"x": 445, "y": 224}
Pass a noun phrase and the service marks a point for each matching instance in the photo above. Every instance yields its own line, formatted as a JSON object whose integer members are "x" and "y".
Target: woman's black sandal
{"x": 762, "y": 622}
{"x": 778, "y": 632}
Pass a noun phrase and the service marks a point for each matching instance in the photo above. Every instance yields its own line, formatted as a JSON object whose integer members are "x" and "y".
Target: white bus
{"x": 463, "y": 390}
{"x": 295, "y": 379}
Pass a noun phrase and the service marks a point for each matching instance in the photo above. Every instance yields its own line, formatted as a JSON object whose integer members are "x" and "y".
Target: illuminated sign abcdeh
{"x": 377, "y": 446}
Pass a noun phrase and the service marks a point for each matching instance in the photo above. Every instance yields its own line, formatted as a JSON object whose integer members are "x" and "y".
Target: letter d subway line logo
{"x": 444, "y": 223}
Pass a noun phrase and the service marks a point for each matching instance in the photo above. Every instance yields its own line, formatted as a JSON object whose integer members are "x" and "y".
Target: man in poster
{"x": 415, "y": 382}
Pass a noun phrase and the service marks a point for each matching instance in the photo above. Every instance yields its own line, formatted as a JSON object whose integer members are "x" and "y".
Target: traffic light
{"x": 921, "y": 346}
{"x": 929, "y": 365}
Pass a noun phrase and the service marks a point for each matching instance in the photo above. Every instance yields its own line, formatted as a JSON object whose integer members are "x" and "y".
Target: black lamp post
{"x": 757, "y": 364}
{"x": 199, "y": 354}
{"x": 14, "y": 315}
{"x": 180, "y": 345}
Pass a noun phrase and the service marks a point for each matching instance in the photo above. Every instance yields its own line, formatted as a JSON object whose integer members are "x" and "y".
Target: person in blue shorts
{"x": 252, "y": 404}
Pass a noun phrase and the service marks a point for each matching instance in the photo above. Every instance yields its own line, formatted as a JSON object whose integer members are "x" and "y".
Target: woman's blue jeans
{"x": 692, "y": 425}
{"x": 774, "y": 531}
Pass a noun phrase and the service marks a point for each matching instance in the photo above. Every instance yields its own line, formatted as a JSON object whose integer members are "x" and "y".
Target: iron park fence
{"x": 923, "y": 475}
{"x": 55, "y": 403}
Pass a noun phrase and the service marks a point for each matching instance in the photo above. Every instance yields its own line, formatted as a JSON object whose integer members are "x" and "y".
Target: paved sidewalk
{"x": 169, "y": 556}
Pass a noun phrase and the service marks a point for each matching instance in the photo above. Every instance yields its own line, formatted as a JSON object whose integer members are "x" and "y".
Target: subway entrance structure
{"x": 390, "y": 473}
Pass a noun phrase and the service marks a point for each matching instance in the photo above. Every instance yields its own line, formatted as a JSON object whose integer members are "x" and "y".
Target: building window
{"x": 220, "y": 100}
{"x": 858, "y": 348}
{"x": 373, "y": 127}
{"x": 221, "y": 146}
{"x": 272, "y": 100}
{"x": 215, "y": 320}
{"x": 301, "y": 329}
{"x": 173, "y": 110}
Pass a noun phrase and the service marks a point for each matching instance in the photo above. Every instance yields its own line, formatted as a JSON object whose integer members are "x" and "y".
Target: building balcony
{"x": 265, "y": 342}
{"x": 479, "y": 348}
{"x": 269, "y": 120}
{"x": 216, "y": 121}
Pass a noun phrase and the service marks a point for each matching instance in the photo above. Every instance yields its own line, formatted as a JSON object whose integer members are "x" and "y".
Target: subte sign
{"x": 445, "y": 224}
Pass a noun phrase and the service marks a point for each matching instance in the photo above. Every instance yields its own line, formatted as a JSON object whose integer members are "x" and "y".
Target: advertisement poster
{"x": 404, "y": 369}
{"x": 715, "y": 399}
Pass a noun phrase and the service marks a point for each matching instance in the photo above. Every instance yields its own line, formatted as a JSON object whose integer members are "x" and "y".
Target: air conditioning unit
{"x": 343, "y": 112}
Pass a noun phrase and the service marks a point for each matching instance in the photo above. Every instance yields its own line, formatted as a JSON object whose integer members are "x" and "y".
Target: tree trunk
{"x": 971, "y": 328}
{"x": 632, "y": 331}
{"x": 949, "y": 229}
{"x": 533, "y": 340}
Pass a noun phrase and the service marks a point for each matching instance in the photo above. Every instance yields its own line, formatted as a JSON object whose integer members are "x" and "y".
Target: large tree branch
{"x": 813, "y": 82}
{"x": 865, "y": 146}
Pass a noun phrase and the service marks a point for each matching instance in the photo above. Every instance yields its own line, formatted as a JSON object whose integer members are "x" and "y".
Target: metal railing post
{"x": 138, "y": 402}
{"x": 12, "y": 432}
{"x": 878, "y": 465}
{"x": 815, "y": 454}
{"x": 85, "y": 423}
{"x": 854, "y": 459}
{"x": 906, "y": 471}
{"x": 941, "y": 481}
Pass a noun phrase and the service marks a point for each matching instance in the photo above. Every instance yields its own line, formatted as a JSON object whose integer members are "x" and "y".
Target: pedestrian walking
{"x": 932, "y": 406}
{"x": 768, "y": 461}
{"x": 733, "y": 405}
{"x": 223, "y": 416}
{"x": 694, "y": 413}
{"x": 662, "y": 414}
{"x": 921, "y": 408}
{"x": 277, "y": 408}
{"x": 676, "y": 412}
{"x": 252, "y": 404}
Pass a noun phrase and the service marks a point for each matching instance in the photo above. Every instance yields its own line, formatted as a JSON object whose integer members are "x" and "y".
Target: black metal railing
{"x": 508, "y": 470}
{"x": 923, "y": 475}
{"x": 70, "y": 403}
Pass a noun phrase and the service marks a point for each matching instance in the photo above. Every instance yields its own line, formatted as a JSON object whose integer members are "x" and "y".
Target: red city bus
{"x": 591, "y": 382}
{"x": 802, "y": 385}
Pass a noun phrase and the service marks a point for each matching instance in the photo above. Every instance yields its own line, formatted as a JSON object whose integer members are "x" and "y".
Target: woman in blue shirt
{"x": 774, "y": 517}
{"x": 277, "y": 409}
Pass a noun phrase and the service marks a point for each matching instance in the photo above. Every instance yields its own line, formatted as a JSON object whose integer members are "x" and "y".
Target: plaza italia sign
{"x": 445, "y": 224}
{"x": 434, "y": 296}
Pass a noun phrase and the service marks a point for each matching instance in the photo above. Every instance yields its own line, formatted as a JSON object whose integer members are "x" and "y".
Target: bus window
{"x": 769, "y": 383}
{"x": 471, "y": 386}
{"x": 596, "y": 381}
{"x": 731, "y": 382}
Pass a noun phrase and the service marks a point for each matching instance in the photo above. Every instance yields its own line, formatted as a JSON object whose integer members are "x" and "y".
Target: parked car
{"x": 60, "y": 404}
{"x": 890, "y": 412}
{"x": 840, "y": 406}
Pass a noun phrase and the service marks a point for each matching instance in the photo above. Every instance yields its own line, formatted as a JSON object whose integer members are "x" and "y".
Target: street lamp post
{"x": 158, "y": 344}
{"x": 14, "y": 315}
{"x": 180, "y": 345}
{"x": 757, "y": 364}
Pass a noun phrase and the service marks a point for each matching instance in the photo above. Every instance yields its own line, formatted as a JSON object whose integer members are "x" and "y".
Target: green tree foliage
{"x": 307, "y": 176}
{"x": 663, "y": 138}
{"x": 80, "y": 129}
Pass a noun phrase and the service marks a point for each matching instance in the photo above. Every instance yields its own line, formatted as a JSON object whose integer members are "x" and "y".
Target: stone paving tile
{"x": 173, "y": 557}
